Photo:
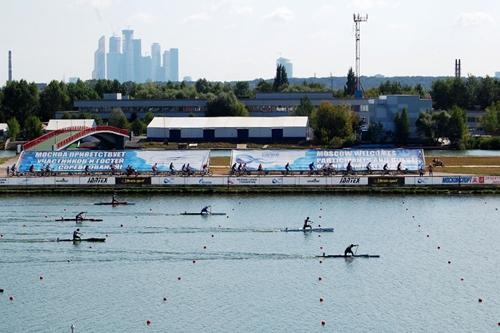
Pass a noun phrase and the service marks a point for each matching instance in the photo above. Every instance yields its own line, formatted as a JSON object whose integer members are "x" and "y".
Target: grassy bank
{"x": 470, "y": 165}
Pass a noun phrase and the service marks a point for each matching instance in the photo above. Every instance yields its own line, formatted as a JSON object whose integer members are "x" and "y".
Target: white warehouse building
{"x": 242, "y": 129}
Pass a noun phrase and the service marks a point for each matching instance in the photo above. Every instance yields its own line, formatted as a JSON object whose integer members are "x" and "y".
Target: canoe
{"x": 308, "y": 230}
{"x": 200, "y": 214}
{"x": 94, "y": 240}
{"x": 344, "y": 256}
{"x": 114, "y": 204}
{"x": 78, "y": 220}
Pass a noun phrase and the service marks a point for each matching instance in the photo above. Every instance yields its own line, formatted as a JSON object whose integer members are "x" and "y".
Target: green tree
{"x": 137, "y": 127}
{"x": 305, "y": 107}
{"x": 203, "y": 86}
{"x": 401, "y": 127}
{"x": 350, "y": 85}
{"x": 20, "y": 100}
{"x": 333, "y": 125}
{"x": 14, "y": 128}
{"x": 441, "y": 120}
{"x": 491, "y": 120}
{"x": 242, "y": 89}
{"x": 426, "y": 126}
{"x": 118, "y": 119}
{"x": 264, "y": 86}
{"x": 32, "y": 127}
{"x": 53, "y": 98}
{"x": 457, "y": 127}
{"x": 148, "y": 117}
{"x": 375, "y": 133}
{"x": 226, "y": 104}
{"x": 281, "y": 79}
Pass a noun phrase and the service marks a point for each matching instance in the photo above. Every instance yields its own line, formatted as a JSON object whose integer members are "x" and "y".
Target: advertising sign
{"x": 133, "y": 180}
{"x": 386, "y": 181}
{"x": 142, "y": 161}
{"x": 167, "y": 180}
{"x": 4, "y": 181}
{"x": 205, "y": 181}
{"x": 353, "y": 180}
{"x": 457, "y": 180}
{"x": 278, "y": 180}
{"x": 97, "y": 180}
{"x": 243, "y": 181}
{"x": 300, "y": 160}
{"x": 312, "y": 181}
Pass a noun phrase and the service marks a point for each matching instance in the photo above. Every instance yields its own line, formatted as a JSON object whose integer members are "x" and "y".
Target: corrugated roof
{"x": 220, "y": 122}
{"x": 55, "y": 124}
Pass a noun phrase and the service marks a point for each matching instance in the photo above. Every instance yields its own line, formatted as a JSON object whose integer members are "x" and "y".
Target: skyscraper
{"x": 174, "y": 65}
{"x": 114, "y": 59}
{"x": 137, "y": 60}
{"x": 99, "y": 72}
{"x": 287, "y": 64}
{"x": 156, "y": 73}
{"x": 128, "y": 55}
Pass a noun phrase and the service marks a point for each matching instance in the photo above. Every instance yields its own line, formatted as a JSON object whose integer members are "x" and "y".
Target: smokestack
{"x": 10, "y": 65}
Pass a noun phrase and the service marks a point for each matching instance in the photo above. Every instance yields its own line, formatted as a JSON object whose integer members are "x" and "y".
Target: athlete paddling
{"x": 205, "y": 210}
{"x": 76, "y": 235}
{"x": 348, "y": 250}
{"x": 79, "y": 216}
{"x": 307, "y": 224}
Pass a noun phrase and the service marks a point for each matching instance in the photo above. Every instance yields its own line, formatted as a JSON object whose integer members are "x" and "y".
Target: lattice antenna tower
{"x": 358, "y": 19}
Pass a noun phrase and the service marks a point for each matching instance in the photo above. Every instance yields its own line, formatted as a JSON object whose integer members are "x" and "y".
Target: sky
{"x": 229, "y": 40}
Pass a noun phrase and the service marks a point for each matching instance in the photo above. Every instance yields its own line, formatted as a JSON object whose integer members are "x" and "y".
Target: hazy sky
{"x": 241, "y": 39}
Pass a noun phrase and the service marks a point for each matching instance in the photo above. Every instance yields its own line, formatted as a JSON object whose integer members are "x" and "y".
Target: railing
{"x": 88, "y": 131}
{"x": 51, "y": 134}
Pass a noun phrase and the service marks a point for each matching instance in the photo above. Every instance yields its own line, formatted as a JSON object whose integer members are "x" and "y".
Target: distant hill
{"x": 338, "y": 82}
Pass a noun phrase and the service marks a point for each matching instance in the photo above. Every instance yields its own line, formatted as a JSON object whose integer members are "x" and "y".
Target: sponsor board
{"x": 16, "y": 181}
{"x": 243, "y": 181}
{"x": 4, "y": 181}
{"x": 312, "y": 181}
{"x": 348, "y": 181}
{"x": 205, "y": 181}
{"x": 289, "y": 180}
{"x": 66, "y": 180}
{"x": 35, "y": 181}
{"x": 421, "y": 181}
{"x": 492, "y": 180}
{"x": 167, "y": 180}
{"x": 456, "y": 180}
{"x": 97, "y": 180}
{"x": 386, "y": 181}
{"x": 133, "y": 180}
{"x": 271, "y": 181}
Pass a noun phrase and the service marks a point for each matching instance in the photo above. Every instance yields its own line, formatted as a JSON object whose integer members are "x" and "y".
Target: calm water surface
{"x": 251, "y": 277}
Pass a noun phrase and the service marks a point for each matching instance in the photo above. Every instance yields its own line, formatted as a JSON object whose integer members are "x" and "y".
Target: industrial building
{"x": 381, "y": 109}
{"x": 244, "y": 129}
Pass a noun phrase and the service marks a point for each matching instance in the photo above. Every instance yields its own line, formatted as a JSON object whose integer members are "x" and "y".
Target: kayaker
{"x": 113, "y": 199}
{"x": 287, "y": 167}
{"x": 306, "y": 224}
{"x": 348, "y": 250}
{"x": 205, "y": 210}
{"x": 76, "y": 235}
{"x": 79, "y": 216}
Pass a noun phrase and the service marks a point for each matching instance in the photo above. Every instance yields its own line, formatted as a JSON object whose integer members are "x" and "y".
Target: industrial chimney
{"x": 10, "y": 65}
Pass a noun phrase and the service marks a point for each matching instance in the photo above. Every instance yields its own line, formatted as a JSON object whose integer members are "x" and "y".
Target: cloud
{"x": 144, "y": 18}
{"x": 474, "y": 19}
{"x": 198, "y": 17}
{"x": 281, "y": 14}
{"x": 98, "y": 4}
{"x": 369, "y": 4}
{"x": 245, "y": 10}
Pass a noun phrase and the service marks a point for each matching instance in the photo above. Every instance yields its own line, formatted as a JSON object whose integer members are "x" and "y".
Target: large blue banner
{"x": 142, "y": 161}
{"x": 411, "y": 159}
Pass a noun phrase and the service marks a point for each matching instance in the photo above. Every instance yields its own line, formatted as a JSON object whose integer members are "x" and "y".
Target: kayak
{"x": 200, "y": 214}
{"x": 114, "y": 203}
{"x": 78, "y": 220}
{"x": 94, "y": 240}
{"x": 308, "y": 230}
{"x": 353, "y": 256}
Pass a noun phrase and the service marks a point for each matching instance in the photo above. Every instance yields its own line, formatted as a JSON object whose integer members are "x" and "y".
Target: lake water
{"x": 251, "y": 277}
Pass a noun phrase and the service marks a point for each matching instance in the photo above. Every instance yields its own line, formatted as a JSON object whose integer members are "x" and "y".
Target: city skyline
{"x": 125, "y": 60}
{"x": 240, "y": 40}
